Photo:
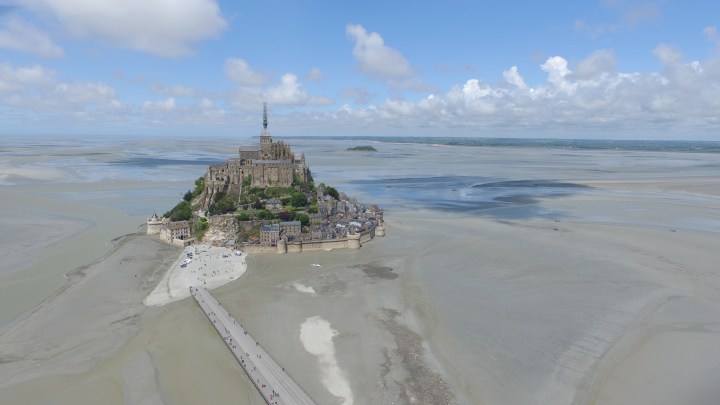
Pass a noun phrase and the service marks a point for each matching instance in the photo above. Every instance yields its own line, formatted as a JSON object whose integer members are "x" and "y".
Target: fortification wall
{"x": 258, "y": 249}
{"x": 298, "y": 247}
{"x": 367, "y": 235}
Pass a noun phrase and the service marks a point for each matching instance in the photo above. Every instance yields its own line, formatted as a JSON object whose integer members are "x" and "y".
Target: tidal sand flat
{"x": 497, "y": 283}
{"x": 92, "y": 317}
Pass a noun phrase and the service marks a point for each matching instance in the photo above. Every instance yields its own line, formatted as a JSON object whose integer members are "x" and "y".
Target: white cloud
{"x": 595, "y": 30}
{"x": 598, "y": 63}
{"x": 164, "y": 28}
{"x": 35, "y": 89}
{"x": 587, "y": 99}
{"x": 83, "y": 93}
{"x": 375, "y": 58}
{"x": 19, "y": 79}
{"x": 358, "y": 94}
{"x": 557, "y": 70}
{"x": 314, "y": 75}
{"x": 160, "y": 105}
{"x": 287, "y": 92}
{"x": 240, "y": 72}
{"x": 250, "y": 93}
{"x": 513, "y": 77}
{"x": 667, "y": 54}
{"x": 711, "y": 33}
{"x": 629, "y": 15}
{"x": 173, "y": 91}
{"x": 640, "y": 13}
{"x": 290, "y": 92}
{"x": 19, "y": 35}
{"x": 206, "y": 104}
{"x": 168, "y": 112}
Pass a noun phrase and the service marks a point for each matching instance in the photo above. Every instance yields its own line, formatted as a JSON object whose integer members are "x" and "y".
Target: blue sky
{"x": 588, "y": 69}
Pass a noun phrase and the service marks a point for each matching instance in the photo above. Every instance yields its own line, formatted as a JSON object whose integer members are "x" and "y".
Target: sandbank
{"x": 316, "y": 336}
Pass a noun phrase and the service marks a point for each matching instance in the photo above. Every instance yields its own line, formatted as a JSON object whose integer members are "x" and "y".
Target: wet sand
{"x": 611, "y": 309}
{"x": 607, "y": 296}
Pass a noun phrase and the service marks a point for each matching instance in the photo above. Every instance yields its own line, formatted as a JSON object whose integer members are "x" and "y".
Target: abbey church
{"x": 273, "y": 164}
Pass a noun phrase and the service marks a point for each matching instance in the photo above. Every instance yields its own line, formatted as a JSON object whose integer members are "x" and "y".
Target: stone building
{"x": 291, "y": 228}
{"x": 273, "y": 204}
{"x": 272, "y": 164}
{"x": 269, "y": 234}
{"x": 176, "y": 233}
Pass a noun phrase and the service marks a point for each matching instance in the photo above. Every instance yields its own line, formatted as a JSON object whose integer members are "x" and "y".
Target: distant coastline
{"x": 578, "y": 144}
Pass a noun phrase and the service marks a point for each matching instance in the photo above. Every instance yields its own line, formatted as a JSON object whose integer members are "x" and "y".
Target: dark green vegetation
{"x": 200, "y": 227}
{"x": 199, "y": 187}
{"x": 181, "y": 212}
{"x": 363, "y": 148}
{"x": 298, "y": 199}
{"x": 303, "y": 218}
{"x": 224, "y": 203}
{"x": 332, "y": 192}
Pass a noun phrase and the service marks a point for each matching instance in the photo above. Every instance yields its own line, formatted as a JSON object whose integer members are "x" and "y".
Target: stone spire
{"x": 265, "y": 138}
{"x": 264, "y": 117}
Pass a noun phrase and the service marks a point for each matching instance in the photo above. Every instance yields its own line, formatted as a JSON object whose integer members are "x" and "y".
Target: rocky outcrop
{"x": 223, "y": 228}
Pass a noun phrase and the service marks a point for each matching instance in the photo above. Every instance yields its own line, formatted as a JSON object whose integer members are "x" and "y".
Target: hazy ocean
{"x": 439, "y": 173}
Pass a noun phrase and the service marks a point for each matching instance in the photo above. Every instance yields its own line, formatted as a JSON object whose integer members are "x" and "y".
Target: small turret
{"x": 154, "y": 225}
{"x": 380, "y": 228}
{"x": 353, "y": 240}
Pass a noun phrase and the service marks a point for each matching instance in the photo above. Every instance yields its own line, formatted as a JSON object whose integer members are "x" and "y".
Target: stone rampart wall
{"x": 297, "y": 247}
{"x": 367, "y": 235}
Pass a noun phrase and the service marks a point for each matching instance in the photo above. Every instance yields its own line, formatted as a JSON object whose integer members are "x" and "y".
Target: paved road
{"x": 271, "y": 380}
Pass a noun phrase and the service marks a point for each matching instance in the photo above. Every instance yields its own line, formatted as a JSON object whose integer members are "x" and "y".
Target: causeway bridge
{"x": 274, "y": 384}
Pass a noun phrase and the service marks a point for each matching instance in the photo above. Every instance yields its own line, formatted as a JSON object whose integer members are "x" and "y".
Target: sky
{"x": 609, "y": 69}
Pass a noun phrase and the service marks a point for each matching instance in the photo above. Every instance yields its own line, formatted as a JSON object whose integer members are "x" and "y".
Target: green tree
{"x": 199, "y": 186}
{"x": 257, "y": 191}
{"x": 298, "y": 199}
{"x": 181, "y": 212}
{"x": 271, "y": 192}
{"x": 243, "y": 216}
{"x": 303, "y": 218}
{"x": 332, "y": 192}
{"x": 223, "y": 203}
{"x": 188, "y": 196}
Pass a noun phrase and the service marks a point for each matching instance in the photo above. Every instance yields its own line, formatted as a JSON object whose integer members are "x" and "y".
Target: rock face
{"x": 222, "y": 229}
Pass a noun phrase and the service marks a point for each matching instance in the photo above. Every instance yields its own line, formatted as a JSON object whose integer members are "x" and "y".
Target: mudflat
{"x": 492, "y": 285}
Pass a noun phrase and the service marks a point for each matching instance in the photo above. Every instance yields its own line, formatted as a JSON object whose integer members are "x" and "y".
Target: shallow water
{"x": 490, "y": 268}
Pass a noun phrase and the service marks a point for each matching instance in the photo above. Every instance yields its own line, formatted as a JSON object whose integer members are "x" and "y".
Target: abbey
{"x": 273, "y": 164}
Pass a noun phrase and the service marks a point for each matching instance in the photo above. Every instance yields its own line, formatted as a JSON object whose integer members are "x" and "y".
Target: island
{"x": 265, "y": 200}
{"x": 362, "y": 148}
